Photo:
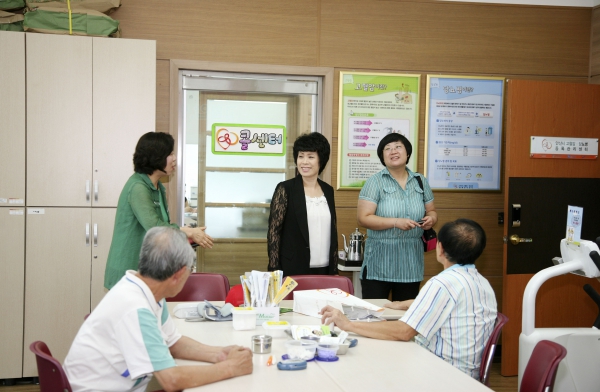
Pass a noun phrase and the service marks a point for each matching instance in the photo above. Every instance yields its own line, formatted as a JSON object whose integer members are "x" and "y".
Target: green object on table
{"x": 285, "y": 310}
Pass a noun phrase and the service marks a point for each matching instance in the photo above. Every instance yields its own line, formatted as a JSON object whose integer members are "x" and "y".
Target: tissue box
{"x": 266, "y": 314}
{"x": 310, "y": 302}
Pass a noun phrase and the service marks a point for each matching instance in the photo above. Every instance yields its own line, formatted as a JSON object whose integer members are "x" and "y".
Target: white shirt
{"x": 454, "y": 314}
{"x": 319, "y": 230}
{"x": 123, "y": 341}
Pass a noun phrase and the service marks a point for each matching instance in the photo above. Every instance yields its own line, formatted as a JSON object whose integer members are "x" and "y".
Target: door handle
{"x": 87, "y": 190}
{"x": 87, "y": 234}
{"x": 96, "y": 190}
{"x": 516, "y": 240}
{"x": 95, "y": 234}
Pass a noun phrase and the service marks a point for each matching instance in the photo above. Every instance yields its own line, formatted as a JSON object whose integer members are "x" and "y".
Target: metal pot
{"x": 355, "y": 251}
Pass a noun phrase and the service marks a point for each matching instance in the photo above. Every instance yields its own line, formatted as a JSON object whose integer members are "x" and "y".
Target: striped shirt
{"x": 123, "y": 341}
{"x": 454, "y": 314}
{"x": 395, "y": 255}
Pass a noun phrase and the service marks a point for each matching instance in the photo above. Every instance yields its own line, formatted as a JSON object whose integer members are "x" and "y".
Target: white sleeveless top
{"x": 319, "y": 230}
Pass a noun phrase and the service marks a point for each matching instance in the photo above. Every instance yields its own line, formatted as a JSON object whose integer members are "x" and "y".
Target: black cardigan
{"x": 288, "y": 240}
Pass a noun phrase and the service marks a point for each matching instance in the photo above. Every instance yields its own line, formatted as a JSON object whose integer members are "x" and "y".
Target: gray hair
{"x": 165, "y": 250}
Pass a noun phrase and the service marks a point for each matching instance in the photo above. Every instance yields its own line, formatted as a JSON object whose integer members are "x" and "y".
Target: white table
{"x": 371, "y": 365}
{"x": 355, "y": 278}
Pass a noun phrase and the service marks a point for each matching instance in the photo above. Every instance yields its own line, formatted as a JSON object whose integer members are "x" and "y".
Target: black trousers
{"x": 319, "y": 271}
{"x": 373, "y": 289}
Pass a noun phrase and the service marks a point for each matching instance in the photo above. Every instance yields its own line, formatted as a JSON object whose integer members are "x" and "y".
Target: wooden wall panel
{"x": 595, "y": 45}
{"x": 233, "y": 259}
{"x": 162, "y": 96}
{"x": 455, "y": 37}
{"x": 258, "y": 31}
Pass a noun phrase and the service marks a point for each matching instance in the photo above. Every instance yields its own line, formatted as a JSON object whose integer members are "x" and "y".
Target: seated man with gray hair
{"x": 130, "y": 335}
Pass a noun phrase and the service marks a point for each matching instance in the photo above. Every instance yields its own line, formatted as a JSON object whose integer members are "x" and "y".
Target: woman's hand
{"x": 404, "y": 223}
{"x": 430, "y": 218}
{"x": 199, "y": 236}
{"x": 428, "y": 223}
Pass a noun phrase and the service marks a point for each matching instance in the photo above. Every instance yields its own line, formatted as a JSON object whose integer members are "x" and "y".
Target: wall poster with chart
{"x": 371, "y": 106}
{"x": 463, "y": 132}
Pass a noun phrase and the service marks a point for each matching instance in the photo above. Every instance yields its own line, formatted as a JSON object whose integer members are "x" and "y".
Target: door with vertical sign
{"x": 537, "y": 193}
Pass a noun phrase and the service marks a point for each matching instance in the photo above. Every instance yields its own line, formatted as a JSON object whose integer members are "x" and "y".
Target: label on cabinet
{"x": 36, "y": 211}
{"x": 15, "y": 201}
{"x": 15, "y": 211}
{"x": 3, "y": 200}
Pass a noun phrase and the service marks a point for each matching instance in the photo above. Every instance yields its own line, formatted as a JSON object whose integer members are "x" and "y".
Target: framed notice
{"x": 463, "y": 132}
{"x": 248, "y": 139}
{"x": 371, "y": 106}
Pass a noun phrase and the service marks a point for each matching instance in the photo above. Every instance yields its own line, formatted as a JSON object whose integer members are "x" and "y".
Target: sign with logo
{"x": 563, "y": 147}
{"x": 248, "y": 139}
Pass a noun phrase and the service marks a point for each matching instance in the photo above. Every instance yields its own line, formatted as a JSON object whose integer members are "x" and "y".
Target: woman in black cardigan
{"x": 302, "y": 236}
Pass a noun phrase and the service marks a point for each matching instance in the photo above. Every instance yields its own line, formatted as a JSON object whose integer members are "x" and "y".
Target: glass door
{"x": 230, "y": 194}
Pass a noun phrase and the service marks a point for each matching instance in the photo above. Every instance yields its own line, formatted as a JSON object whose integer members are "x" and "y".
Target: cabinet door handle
{"x": 95, "y": 234}
{"x": 96, "y": 190}
{"x": 87, "y": 190}
{"x": 87, "y": 234}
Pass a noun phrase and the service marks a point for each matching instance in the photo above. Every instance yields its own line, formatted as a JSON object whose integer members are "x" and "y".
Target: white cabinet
{"x": 12, "y": 119}
{"x": 88, "y": 102}
{"x": 124, "y": 87}
{"x": 12, "y": 198}
{"x": 59, "y": 120}
{"x": 71, "y": 111}
{"x": 66, "y": 253}
{"x": 12, "y": 271}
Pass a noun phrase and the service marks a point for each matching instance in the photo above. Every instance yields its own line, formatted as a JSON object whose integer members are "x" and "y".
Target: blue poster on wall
{"x": 463, "y": 133}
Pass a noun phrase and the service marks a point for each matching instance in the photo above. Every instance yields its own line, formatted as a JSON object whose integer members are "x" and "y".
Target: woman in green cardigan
{"x": 143, "y": 205}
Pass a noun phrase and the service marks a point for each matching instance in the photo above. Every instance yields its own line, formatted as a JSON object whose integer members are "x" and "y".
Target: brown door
{"x": 544, "y": 188}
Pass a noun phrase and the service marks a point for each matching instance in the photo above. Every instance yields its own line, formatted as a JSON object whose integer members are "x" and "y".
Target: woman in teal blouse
{"x": 143, "y": 205}
{"x": 395, "y": 211}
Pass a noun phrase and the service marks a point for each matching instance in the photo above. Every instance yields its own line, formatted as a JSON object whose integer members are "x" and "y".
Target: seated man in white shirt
{"x": 453, "y": 315}
{"x": 129, "y": 337}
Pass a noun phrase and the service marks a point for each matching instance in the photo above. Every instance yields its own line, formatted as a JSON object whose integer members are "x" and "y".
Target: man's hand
{"x": 333, "y": 315}
{"x": 222, "y": 355}
{"x": 399, "y": 305}
{"x": 239, "y": 360}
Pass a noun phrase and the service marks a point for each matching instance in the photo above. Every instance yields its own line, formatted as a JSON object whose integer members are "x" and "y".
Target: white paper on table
{"x": 310, "y": 302}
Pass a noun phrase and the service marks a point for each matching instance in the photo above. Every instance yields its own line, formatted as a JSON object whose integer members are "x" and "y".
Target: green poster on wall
{"x": 373, "y": 105}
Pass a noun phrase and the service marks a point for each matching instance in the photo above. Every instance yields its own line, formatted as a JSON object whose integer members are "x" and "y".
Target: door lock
{"x": 515, "y": 239}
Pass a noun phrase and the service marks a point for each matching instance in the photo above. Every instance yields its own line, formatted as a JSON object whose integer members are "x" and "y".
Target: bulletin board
{"x": 463, "y": 132}
{"x": 373, "y": 105}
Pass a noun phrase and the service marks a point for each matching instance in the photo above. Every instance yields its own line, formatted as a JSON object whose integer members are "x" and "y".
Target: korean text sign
{"x": 248, "y": 139}
{"x": 373, "y": 105}
{"x": 463, "y": 133}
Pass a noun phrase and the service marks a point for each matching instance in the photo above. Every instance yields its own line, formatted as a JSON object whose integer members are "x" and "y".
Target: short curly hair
{"x": 391, "y": 138}
{"x": 152, "y": 151}
{"x": 313, "y": 142}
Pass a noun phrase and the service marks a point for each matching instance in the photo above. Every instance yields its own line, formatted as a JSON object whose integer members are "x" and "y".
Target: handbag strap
{"x": 418, "y": 177}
